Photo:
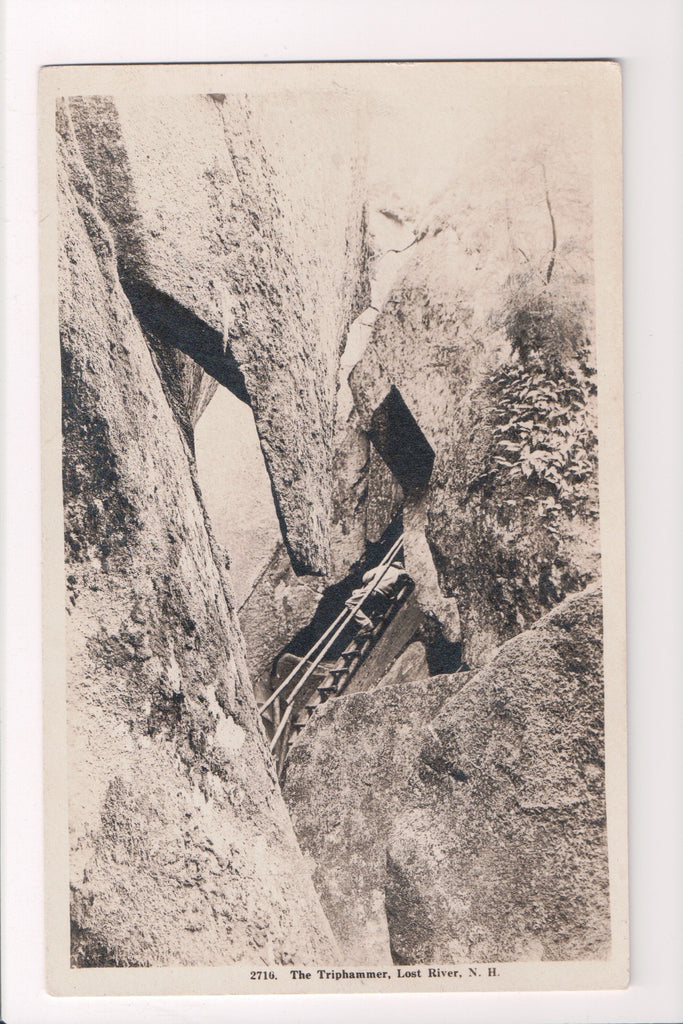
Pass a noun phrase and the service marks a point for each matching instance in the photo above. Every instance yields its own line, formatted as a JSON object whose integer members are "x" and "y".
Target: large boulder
{"x": 462, "y": 818}
{"x": 504, "y": 857}
{"x": 441, "y": 627}
{"x": 351, "y": 773}
{"x": 231, "y": 251}
{"x": 365, "y": 496}
{"x": 412, "y": 664}
{"x": 182, "y": 851}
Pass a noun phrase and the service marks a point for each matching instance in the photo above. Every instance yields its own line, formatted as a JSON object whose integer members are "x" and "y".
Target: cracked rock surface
{"x": 487, "y": 333}
{"x": 505, "y": 858}
{"x": 182, "y": 851}
{"x": 349, "y": 776}
{"x": 462, "y": 818}
{"x": 448, "y": 818}
{"x": 232, "y": 252}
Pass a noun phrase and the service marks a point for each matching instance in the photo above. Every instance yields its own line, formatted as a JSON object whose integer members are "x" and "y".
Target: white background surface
{"x": 647, "y": 37}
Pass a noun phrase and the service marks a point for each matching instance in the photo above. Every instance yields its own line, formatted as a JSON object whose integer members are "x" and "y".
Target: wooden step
{"x": 337, "y": 678}
{"x": 398, "y": 630}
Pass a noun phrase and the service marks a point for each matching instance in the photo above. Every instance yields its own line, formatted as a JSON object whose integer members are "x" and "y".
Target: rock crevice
{"x": 446, "y": 816}
{"x": 182, "y": 851}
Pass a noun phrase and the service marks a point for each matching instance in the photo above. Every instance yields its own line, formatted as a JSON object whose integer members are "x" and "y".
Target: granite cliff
{"x": 182, "y": 848}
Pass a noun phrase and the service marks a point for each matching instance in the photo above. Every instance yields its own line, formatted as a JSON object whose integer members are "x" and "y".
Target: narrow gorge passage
{"x": 334, "y": 691}
{"x": 330, "y": 654}
{"x": 238, "y": 496}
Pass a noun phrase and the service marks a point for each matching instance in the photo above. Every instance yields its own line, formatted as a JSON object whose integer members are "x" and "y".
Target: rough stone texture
{"x": 462, "y": 818}
{"x": 278, "y": 606}
{"x": 503, "y": 856}
{"x": 351, "y": 465}
{"x": 441, "y": 612}
{"x": 352, "y": 771}
{"x": 181, "y": 847}
{"x": 231, "y": 248}
{"x": 410, "y": 665}
{"x": 487, "y": 336}
{"x": 448, "y": 818}
{"x": 365, "y": 497}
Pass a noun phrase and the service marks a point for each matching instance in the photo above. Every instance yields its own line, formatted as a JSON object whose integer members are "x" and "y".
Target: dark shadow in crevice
{"x": 170, "y": 327}
{"x": 395, "y": 433}
{"x": 174, "y": 325}
{"x": 443, "y": 656}
{"x": 332, "y": 601}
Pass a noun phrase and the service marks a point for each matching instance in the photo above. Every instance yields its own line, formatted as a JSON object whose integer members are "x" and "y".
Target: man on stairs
{"x": 383, "y": 581}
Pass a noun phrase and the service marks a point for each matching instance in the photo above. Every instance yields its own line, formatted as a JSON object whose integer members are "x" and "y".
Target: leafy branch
{"x": 544, "y": 437}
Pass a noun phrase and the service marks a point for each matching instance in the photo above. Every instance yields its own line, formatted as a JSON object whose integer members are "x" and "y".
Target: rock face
{"x": 410, "y": 665}
{"x": 231, "y": 251}
{"x": 348, "y": 778}
{"x": 279, "y": 605}
{"x": 442, "y": 629}
{"x": 449, "y": 817}
{"x": 462, "y": 818}
{"x": 181, "y": 847}
{"x": 506, "y": 859}
{"x": 480, "y": 362}
{"x": 486, "y": 335}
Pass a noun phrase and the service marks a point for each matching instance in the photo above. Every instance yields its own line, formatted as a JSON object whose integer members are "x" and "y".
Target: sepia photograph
{"x": 334, "y": 636}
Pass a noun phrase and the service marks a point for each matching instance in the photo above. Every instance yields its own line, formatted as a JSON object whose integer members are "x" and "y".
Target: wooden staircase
{"x": 312, "y": 681}
{"x": 349, "y": 662}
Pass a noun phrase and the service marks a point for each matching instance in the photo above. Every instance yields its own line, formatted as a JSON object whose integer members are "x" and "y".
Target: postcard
{"x": 334, "y": 633}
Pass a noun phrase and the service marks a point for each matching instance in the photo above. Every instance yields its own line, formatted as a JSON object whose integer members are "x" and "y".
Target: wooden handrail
{"x": 385, "y": 563}
{"x": 343, "y": 614}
